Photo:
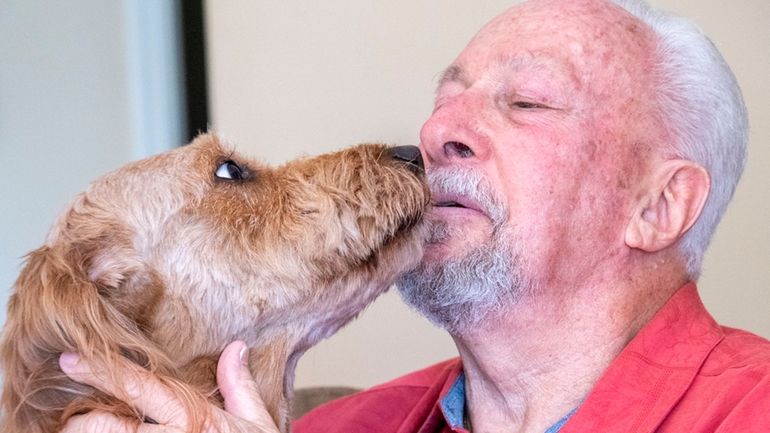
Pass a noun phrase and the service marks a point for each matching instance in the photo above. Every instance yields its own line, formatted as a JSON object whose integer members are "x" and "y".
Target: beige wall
{"x": 65, "y": 114}
{"x": 85, "y": 86}
{"x": 301, "y": 77}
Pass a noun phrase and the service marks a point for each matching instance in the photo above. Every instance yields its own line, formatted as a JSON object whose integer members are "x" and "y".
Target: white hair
{"x": 703, "y": 109}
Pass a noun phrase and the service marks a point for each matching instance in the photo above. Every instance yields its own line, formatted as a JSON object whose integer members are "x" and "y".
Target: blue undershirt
{"x": 453, "y": 405}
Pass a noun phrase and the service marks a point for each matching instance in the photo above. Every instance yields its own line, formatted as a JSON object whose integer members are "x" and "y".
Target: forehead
{"x": 585, "y": 41}
{"x": 543, "y": 65}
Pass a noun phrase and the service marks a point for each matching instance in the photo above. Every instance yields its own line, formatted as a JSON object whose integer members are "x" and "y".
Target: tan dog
{"x": 168, "y": 259}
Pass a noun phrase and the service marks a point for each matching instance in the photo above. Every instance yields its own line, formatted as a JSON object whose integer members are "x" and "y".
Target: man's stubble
{"x": 461, "y": 292}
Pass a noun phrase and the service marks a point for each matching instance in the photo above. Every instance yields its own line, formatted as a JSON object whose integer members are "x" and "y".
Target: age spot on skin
{"x": 622, "y": 183}
{"x": 590, "y": 150}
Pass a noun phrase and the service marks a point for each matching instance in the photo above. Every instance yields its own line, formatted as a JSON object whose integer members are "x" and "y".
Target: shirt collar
{"x": 453, "y": 402}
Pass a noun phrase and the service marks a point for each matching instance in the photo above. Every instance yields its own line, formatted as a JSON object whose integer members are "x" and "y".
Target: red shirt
{"x": 681, "y": 373}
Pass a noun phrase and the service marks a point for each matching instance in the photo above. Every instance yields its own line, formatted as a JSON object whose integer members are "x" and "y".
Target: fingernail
{"x": 69, "y": 360}
{"x": 243, "y": 355}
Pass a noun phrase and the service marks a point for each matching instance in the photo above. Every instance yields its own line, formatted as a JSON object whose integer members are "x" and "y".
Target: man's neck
{"x": 526, "y": 370}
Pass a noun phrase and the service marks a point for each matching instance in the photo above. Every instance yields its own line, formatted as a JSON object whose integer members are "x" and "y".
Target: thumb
{"x": 238, "y": 387}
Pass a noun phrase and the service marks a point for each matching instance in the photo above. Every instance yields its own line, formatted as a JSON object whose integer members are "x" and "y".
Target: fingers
{"x": 133, "y": 385}
{"x": 103, "y": 422}
{"x": 239, "y": 390}
{"x": 145, "y": 392}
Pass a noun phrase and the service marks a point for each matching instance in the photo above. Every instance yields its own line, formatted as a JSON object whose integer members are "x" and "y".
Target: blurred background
{"x": 88, "y": 85}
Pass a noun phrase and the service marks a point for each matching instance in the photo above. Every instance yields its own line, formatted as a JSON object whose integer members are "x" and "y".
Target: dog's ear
{"x": 122, "y": 279}
{"x": 57, "y": 306}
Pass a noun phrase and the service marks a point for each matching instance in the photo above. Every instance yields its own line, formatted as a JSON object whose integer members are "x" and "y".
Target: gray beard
{"x": 460, "y": 293}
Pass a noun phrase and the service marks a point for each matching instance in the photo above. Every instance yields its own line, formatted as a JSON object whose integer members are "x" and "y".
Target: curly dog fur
{"x": 168, "y": 259}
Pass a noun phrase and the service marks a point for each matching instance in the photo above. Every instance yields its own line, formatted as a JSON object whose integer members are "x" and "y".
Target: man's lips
{"x": 456, "y": 201}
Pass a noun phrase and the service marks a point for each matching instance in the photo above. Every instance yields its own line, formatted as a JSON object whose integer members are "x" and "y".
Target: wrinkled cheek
{"x": 582, "y": 216}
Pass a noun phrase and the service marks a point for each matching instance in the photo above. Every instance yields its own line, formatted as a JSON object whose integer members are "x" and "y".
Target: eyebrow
{"x": 451, "y": 74}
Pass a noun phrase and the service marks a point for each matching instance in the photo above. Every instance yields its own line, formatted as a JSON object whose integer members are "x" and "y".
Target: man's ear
{"x": 672, "y": 202}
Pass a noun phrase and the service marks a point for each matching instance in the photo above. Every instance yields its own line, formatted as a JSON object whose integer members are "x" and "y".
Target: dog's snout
{"x": 410, "y": 155}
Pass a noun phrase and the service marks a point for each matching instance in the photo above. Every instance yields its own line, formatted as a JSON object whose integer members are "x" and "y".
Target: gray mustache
{"x": 469, "y": 183}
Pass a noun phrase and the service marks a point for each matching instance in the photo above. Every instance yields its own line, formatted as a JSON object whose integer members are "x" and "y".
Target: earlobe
{"x": 671, "y": 204}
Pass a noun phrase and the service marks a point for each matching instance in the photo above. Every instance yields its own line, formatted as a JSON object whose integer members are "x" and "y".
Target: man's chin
{"x": 436, "y": 253}
{"x": 452, "y": 245}
{"x": 458, "y": 292}
{"x": 444, "y": 304}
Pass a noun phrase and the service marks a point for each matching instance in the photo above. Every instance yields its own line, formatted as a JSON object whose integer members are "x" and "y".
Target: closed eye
{"x": 528, "y": 105}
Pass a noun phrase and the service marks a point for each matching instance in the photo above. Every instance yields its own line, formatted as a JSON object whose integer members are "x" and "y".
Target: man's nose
{"x": 455, "y": 134}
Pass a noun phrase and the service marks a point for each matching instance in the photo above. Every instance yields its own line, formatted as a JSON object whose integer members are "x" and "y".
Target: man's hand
{"x": 244, "y": 410}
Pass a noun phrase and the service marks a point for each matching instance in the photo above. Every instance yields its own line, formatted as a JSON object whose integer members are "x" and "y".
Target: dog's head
{"x": 196, "y": 247}
{"x": 222, "y": 243}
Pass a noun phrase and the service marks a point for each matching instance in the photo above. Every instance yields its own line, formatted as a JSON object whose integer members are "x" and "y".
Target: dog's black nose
{"x": 410, "y": 155}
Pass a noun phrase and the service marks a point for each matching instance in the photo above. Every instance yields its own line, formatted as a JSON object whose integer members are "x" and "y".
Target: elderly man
{"x": 580, "y": 154}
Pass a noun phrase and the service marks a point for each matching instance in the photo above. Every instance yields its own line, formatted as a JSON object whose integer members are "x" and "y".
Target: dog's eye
{"x": 230, "y": 170}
